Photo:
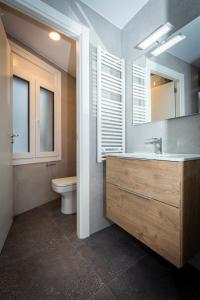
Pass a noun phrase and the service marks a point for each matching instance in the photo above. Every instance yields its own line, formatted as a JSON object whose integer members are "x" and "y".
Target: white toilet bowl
{"x": 66, "y": 187}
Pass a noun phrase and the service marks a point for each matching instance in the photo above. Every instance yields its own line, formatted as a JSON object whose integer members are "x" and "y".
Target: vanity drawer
{"x": 152, "y": 222}
{"x": 154, "y": 179}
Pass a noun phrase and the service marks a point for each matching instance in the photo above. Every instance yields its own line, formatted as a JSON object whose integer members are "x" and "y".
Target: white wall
{"x": 108, "y": 36}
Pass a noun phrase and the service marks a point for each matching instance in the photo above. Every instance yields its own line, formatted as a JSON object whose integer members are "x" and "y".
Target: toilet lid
{"x": 66, "y": 181}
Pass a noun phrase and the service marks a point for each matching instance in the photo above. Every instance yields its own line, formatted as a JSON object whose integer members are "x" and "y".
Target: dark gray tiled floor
{"x": 43, "y": 259}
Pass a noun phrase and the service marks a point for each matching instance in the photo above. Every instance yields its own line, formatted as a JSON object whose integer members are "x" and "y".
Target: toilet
{"x": 66, "y": 187}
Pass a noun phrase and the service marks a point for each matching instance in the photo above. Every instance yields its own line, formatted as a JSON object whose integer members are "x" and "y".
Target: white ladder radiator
{"x": 110, "y": 104}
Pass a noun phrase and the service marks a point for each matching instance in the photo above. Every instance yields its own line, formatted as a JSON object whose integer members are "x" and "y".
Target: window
{"x": 46, "y": 120}
{"x": 20, "y": 115}
{"x": 36, "y": 109}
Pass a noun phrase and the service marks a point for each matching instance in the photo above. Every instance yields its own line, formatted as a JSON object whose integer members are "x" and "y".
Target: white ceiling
{"x": 35, "y": 36}
{"x": 118, "y": 12}
{"x": 189, "y": 49}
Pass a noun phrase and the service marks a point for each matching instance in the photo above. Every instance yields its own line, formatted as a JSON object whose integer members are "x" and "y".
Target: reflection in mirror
{"x": 168, "y": 85}
{"x": 163, "y": 98}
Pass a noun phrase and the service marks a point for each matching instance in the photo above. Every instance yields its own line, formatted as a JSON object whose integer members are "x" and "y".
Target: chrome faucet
{"x": 157, "y": 142}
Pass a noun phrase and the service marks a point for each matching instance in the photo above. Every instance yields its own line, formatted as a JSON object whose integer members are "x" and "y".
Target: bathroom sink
{"x": 163, "y": 156}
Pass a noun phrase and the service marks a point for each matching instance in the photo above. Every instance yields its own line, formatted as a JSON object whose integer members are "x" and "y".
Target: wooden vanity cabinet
{"x": 158, "y": 202}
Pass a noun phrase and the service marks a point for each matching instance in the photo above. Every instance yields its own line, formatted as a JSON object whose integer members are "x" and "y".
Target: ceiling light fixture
{"x": 168, "y": 44}
{"x": 155, "y": 36}
{"x": 54, "y": 36}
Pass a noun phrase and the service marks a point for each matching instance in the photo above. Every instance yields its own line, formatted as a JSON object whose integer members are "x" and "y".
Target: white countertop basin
{"x": 164, "y": 156}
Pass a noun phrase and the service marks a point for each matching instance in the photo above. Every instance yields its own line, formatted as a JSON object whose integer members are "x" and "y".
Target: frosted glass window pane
{"x": 46, "y": 120}
{"x": 20, "y": 115}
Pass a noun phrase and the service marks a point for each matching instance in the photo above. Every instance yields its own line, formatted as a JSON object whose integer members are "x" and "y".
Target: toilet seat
{"x": 66, "y": 181}
{"x": 66, "y": 184}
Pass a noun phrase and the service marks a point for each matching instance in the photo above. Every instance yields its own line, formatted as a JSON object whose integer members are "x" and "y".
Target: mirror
{"x": 167, "y": 85}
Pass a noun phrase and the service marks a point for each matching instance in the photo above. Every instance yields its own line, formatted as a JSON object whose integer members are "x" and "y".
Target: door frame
{"x": 168, "y": 73}
{"x": 51, "y": 17}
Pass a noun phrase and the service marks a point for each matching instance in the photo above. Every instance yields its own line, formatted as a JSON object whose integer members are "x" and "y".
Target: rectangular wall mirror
{"x": 166, "y": 82}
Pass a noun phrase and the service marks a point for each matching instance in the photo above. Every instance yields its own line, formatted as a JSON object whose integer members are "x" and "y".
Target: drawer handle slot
{"x": 132, "y": 193}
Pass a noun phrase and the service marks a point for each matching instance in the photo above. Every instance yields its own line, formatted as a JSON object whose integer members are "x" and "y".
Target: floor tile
{"x": 186, "y": 282}
{"x": 66, "y": 223}
{"x": 153, "y": 278}
{"x": 38, "y": 213}
{"x": 52, "y": 274}
{"x": 195, "y": 261}
{"x": 103, "y": 294}
{"x": 111, "y": 252}
{"x": 29, "y": 237}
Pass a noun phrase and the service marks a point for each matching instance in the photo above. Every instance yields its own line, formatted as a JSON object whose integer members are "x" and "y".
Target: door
{"x": 6, "y": 197}
{"x": 163, "y": 102}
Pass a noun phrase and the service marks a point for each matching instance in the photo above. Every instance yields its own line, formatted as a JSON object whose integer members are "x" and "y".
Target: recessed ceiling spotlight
{"x": 155, "y": 36}
{"x": 54, "y": 36}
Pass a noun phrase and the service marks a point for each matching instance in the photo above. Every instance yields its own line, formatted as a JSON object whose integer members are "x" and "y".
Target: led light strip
{"x": 155, "y": 36}
{"x": 168, "y": 44}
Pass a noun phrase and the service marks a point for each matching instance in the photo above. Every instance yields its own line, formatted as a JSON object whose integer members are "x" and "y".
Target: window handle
{"x": 13, "y": 136}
